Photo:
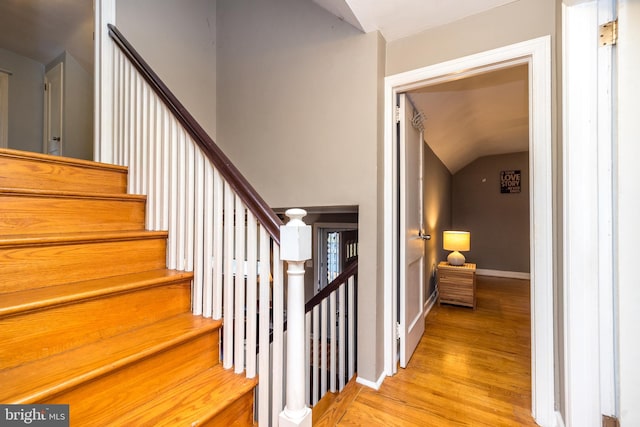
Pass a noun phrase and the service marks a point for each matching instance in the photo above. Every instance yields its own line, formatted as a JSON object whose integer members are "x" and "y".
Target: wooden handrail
{"x": 249, "y": 196}
{"x": 351, "y": 269}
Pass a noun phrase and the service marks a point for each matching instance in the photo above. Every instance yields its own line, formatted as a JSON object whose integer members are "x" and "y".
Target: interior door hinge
{"x": 397, "y": 114}
{"x": 608, "y": 33}
{"x": 398, "y": 331}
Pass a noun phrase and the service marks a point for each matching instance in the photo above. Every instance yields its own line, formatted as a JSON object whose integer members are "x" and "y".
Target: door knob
{"x": 424, "y": 236}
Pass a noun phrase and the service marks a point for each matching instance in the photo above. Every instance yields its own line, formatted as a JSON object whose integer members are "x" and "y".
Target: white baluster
{"x": 252, "y": 298}
{"x": 307, "y": 356}
{"x": 227, "y": 330}
{"x": 265, "y": 305}
{"x": 218, "y": 204}
{"x": 323, "y": 347}
{"x": 316, "y": 354}
{"x": 239, "y": 288}
{"x": 332, "y": 346}
{"x": 341, "y": 341}
{"x": 277, "y": 364}
{"x": 352, "y": 326}
{"x": 295, "y": 239}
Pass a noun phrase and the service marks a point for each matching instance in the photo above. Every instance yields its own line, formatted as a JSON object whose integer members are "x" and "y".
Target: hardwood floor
{"x": 471, "y": 368}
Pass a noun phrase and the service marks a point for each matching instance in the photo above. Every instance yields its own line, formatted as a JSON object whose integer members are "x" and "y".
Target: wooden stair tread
{"x": 34, "y": 170}
{"x": 36, "y": 381}
{"x": 192, "y": 402}
{"x": 7, "y": 152}
{"x": 34, "y": 192}
{"x": 34, "y": 299}
{"x": 18, "y": 240}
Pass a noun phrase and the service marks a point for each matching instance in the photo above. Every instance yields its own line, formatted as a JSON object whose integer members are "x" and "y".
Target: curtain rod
{"x": 6, "y": 71}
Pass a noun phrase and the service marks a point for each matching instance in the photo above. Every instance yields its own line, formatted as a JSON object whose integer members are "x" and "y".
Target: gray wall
{"x": 512, "y": 23}
{"x": 499, "y": 223}
{"x": 26, "y": 86}
{"x": 77, "y": 108}
{"x": 178, "y": 40}
{"x": 437, "y": 213}
{"x": 299, "y": 95}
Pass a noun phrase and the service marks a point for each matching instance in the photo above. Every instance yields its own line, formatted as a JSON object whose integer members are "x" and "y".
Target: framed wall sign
{"x": 510, "y": 181}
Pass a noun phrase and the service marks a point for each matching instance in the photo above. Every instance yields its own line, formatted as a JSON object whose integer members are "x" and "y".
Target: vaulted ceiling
{"x": 43, "y": 29}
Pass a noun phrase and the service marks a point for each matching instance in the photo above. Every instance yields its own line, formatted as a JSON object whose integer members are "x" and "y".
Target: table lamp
{"x": 456, "y": 241}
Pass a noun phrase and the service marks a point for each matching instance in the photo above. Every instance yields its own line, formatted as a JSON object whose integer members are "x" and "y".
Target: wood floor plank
{"x": 471, "y": 368}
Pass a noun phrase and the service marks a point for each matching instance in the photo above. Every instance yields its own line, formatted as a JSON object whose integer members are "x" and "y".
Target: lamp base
{"x": 456, "y": 258}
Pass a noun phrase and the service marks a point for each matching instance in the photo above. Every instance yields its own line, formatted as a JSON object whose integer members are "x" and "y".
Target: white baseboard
{"x": 374, "y": 385}
{"x": 506, "y": 274}
{"x": 428, "y": 305}
{"x": 559, "y": 420}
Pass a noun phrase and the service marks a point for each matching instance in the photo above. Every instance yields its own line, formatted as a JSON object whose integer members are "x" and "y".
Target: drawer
{"x": 455, "y": 276}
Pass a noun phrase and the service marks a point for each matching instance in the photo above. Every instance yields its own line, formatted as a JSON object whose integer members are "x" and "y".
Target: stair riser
{"x": 39, "y": 266}
{"x": 46, "y": 332}
{"x": 54, "y": 174}
{"x": 238, "y": 414}
{"x": 51, "y": 214}
{"x": 93, "y": 403}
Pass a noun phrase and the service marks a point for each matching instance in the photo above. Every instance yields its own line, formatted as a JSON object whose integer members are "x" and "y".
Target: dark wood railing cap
{"x": 351, "y": 269}
{"x": 249, "y": 196}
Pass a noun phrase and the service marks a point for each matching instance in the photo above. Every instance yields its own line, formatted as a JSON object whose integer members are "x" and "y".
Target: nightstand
{"x": 457, "y": 284}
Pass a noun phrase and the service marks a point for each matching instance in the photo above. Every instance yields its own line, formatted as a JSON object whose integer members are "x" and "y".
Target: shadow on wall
{"x": 498, "y": 221}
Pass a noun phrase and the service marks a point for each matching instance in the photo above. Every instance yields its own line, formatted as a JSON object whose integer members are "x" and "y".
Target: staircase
{"x": 89, "y": 314}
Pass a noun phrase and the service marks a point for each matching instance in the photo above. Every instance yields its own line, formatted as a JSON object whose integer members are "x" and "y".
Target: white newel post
{"x": 295, "y": 246}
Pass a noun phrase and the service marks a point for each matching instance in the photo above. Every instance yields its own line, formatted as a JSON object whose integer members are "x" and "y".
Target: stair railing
{"x": 331, "y": 339}
{"x": 219, "y": 227}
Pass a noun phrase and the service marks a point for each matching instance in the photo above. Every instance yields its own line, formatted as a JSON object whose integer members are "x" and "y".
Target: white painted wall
{"x": 628, "y": 206}
{"x": 178, "y": 40}
{"x": 299, "y": 108}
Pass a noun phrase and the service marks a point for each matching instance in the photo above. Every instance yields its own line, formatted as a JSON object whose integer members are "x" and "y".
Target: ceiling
{"x": 396, "y": 19}
{"x": 466, "y": 119}
{"x": 477, "y": 116}
{"x": 43, "y": 29}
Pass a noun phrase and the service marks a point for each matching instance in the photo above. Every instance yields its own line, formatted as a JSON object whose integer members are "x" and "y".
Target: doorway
{"x": 536, "y": 54}
{"x": 336, "y": 248}
{"x": 53, "y": 110}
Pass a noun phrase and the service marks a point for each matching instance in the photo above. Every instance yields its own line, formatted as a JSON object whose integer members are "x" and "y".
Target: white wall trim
{"x": 536, "y": 53}
{"x": 374, "y": 385}
{"x": 505, "y": 274}
{"x": 559, "y": 420}
{"x": 430, "y": 302}
{"x": 589, "y": 367}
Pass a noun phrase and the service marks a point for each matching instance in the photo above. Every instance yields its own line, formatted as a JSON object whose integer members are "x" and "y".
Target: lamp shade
{"x": 456, "y": 240}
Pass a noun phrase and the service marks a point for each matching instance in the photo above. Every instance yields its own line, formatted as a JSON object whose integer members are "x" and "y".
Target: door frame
{"x": 537, "y": 54}
{"x": 588, "y": 152}
{"x": 47, "y": 122}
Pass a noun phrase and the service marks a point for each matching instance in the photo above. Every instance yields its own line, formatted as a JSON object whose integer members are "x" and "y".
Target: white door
{"x": 411, "y": 257}
{"x": 53, "y": 98}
